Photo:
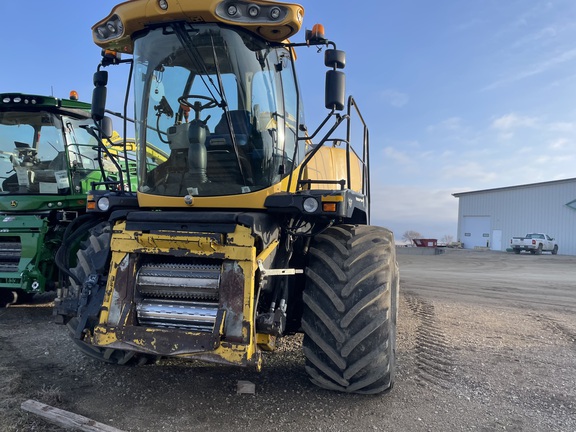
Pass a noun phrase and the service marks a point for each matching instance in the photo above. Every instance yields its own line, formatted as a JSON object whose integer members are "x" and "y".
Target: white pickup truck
{"x": 536, "y": 243}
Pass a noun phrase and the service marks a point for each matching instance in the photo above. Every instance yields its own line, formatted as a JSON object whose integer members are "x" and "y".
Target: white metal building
{"x": 489, "y": 218}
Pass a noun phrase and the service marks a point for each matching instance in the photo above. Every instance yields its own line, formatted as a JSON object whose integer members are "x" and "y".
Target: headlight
{"x": 275, "y": 13}
{"x": 103, "y": 204}
{"x": 112, "y": 29}
{"x": 310, "y": 205}
{"x": 250, "y": 13}
{"x": 253, "y": 11}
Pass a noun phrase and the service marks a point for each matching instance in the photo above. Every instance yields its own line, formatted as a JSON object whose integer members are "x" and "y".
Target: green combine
{"x": 48, "y": 161}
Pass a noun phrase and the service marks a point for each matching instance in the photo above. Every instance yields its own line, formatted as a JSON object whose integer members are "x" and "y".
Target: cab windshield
{"x": 39, "y": 150}
{"x": 221, "y": 103}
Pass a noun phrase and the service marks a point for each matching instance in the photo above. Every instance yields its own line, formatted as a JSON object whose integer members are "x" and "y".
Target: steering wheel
{"x": 198, "y": 106}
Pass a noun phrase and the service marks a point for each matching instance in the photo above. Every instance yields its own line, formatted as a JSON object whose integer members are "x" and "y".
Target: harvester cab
{"x": 48, "y": 161}
{"x": 253, "y": 228}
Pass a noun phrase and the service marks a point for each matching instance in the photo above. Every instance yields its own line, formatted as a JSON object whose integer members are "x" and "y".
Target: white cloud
{"x": 395, "y": 98}
{"x": 559, "y": 144}
{"x": 450, "y": 124}
{"x": 525, "y": 150}
{"x": 513, "y": 121}
{"x": 471, "y": 24}
{"x": 398, "y": 157}
{"x": 548, "y": 161}
{"x": 432, "y": 212}
{"x": 505, "y": 136}
{"x": 535, "y": 69}
{"x": 469, "y": 171}
{"x": 533, "y": 38}
{"x": 561, "y": 127}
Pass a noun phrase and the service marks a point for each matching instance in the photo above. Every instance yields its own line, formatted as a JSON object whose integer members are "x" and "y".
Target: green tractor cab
{"x": 48, "y": 162}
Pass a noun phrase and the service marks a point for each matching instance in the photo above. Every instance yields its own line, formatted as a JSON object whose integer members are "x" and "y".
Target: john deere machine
{"x": 48, "y": 160}
{"x": 254, "y": 227}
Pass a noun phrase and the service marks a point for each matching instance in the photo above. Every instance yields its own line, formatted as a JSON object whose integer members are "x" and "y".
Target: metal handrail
{"x": 365, "y": 161}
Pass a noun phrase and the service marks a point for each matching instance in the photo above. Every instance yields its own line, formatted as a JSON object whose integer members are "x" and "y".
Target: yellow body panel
{"x": 136, "y": 14}
{"x": 327, "y": 163}
{"x": 330, "y": 163}
{"x": 252, "y": 200}
{"x": 116, "y": 328}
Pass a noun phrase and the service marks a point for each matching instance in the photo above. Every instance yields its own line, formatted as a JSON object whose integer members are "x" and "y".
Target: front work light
{"x": 103, "y": 204}
{"x": 251, "y": 13}
{"x": 310, "y": 205}
{"x": 113, "y": 29}
{"x": 275, "y": 13}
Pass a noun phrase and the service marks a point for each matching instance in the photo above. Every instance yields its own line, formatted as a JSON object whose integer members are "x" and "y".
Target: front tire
{"x": 93, "y": 257}
{"x": 7, "y": 297}
{"x": 555, "y": 250}
{"x": 350, "y": 309}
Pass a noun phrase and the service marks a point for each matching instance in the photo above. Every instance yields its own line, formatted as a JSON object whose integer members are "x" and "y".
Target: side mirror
{"x": 335, "y": 95}
{"x": 335, "y": 59}
{"x": 107, "y": 127}
{"x": 99, "y": 95}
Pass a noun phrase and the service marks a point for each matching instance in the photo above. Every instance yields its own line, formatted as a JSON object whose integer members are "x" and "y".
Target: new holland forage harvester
{"x": 253, "y": 228}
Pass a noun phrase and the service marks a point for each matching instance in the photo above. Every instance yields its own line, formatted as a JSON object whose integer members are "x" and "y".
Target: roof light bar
{"x": 247, "y": 12}
{"x": 22, "y": 100}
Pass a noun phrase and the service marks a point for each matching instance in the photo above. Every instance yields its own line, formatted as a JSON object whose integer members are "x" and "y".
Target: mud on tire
{"x": 350, "y": 309}
{"x": 93, "y": 257}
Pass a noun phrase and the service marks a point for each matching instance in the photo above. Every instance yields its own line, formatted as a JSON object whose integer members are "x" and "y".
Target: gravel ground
{"x": 486, "y": 340}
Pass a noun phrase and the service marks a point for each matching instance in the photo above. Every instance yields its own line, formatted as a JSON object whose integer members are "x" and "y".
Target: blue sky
{"x": 459, "y": 95}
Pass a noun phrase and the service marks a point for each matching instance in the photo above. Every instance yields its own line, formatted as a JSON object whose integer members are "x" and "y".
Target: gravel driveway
{"x": 486, "y": 340}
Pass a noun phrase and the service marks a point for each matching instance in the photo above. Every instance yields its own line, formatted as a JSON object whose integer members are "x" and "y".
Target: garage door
{"x": 476, "y": 231}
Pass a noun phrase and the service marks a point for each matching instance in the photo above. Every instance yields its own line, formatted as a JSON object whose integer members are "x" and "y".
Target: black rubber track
{"x": 350, "y": 309}
{"x": 93, "y": 257}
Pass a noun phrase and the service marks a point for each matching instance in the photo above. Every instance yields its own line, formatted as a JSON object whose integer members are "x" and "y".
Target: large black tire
{"x": 7, "y": 297}
{"x": 555, "y": 250}
{"x": 539, "y": 250}
{"x": 93, "y": 257}
{"x": 107, "y": 355}
{"x": 14, "y": 297}
{"x": 351, "y": 309}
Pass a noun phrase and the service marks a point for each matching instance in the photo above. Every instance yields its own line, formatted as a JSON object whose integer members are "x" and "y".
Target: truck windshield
{"x": 38, "y": 150}
{"x": 221, "y": 103}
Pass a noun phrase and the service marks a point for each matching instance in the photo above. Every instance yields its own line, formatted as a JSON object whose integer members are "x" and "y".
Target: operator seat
{"x": 167, "y": 177}
{"x": 222, "y": 162}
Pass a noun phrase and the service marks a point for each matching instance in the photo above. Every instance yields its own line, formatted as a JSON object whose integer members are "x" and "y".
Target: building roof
{"x": 548, "y": 183}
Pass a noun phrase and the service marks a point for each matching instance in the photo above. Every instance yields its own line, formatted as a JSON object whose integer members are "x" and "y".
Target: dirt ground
{"x": 487, "y": 342}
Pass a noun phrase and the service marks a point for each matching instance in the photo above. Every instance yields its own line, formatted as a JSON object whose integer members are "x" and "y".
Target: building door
{"x": 496, "y": 240}
{"x": 475, "y": 231}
